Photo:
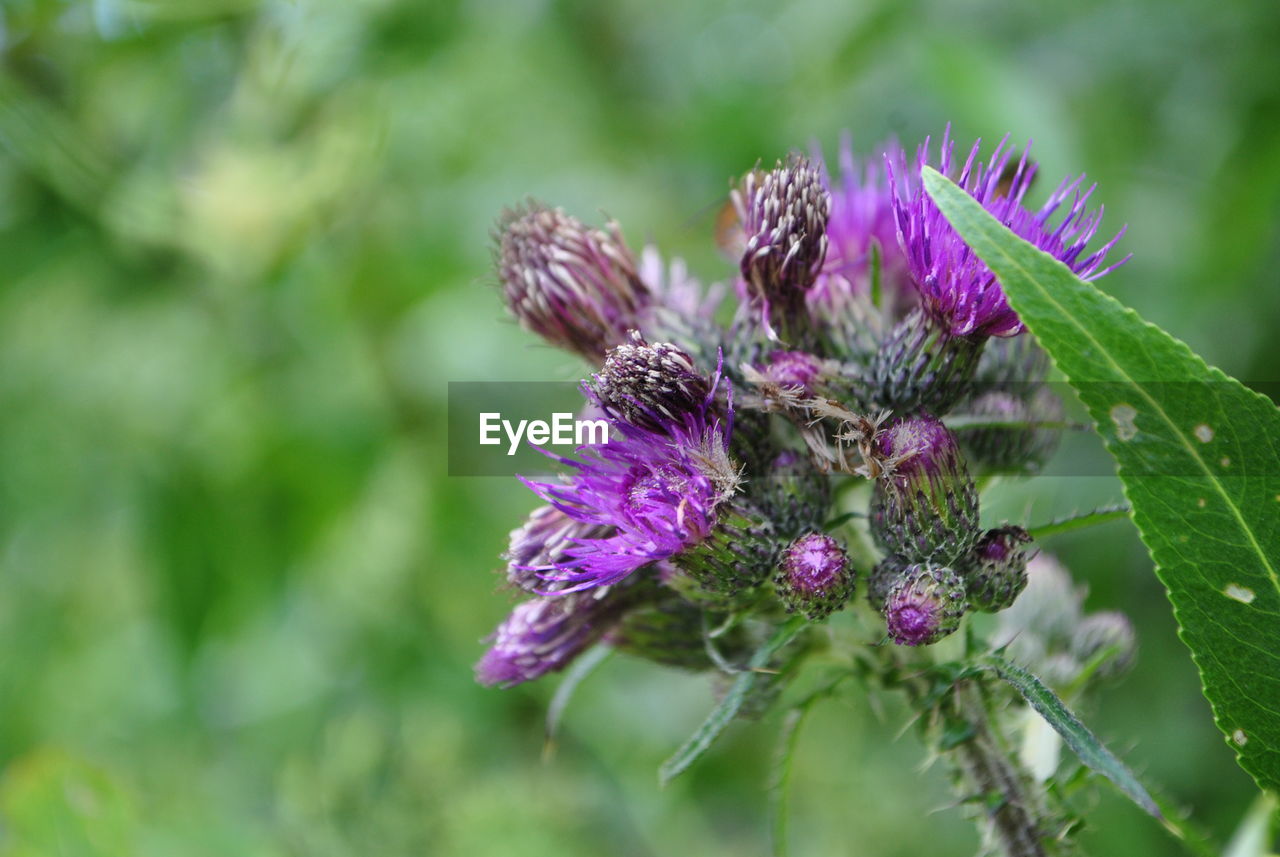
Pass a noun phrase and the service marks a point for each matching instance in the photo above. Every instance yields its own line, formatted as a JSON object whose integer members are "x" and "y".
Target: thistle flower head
{"x": 924, "y": 605}
{"x": 814, "y": 577}
{"x": 956, "y": 287}
{"x": 658, "y": 490}
{"x": 783, "y": 214}
{"x": 925, "y": 505}
{"x": 545, "y": 634}
{"x": 919, "y": 446}
{"x": 575, "y": 286}
{"x": 996, "y": 570}
{"x": 540, "y": 542}
{"x": 650, "y": 386}
{"x": 861, "y": 215}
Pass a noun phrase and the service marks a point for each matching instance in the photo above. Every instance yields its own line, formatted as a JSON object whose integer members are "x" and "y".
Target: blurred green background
{"x": 244, "y": 246}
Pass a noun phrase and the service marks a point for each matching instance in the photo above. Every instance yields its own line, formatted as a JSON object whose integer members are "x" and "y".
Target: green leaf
{"x": 720, "y": 716}
{"x": 1080, "y": 520}
{"x": 581, "y": 668}
{"x": 1197, "y": 454}
{"x": 1077, "y": 736}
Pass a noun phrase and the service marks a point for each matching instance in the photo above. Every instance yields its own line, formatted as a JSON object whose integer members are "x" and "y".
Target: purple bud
{"x": 784, "y": 219}
{"x": 541, "y": 542}
{"x": 1106, "y": 631}
{"x": 650, "y": 386}
{"x": 924, "y": 605}
{"x": 996, "y": 570}
{"x": 925, "y": 505}
{"x": 575, "y": 286}
{"x": 547, "y": 632}
{"x": 815, "y": 577}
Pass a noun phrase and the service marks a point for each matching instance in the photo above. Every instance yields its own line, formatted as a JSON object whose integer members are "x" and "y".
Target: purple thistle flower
{"x": 546, "y": 633}
{"x": 924, "y": 505}
{"x": 956, "y": 287}
{"x": 814, "y": 577}
{"x": 541, "y": 541}
{"x": 575, "y": 286}
{"x": 658, "y": 490}
{"x": 861, "y": 213}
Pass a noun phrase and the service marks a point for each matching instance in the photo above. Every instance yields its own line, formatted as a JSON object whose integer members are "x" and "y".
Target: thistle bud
{"x": 725, "y": 570}
{"x": 1013, "y": 448}
{"x": 814, "y": 577}
{"x": 924, "y": 605}
{"x": 925, "y": 505}
{"x": 995, "y": 572}
{"x": 1101, "y": 632}
{"x": 650, "y": 386}
{"x": 546, "y": 633}
{"x": 795, "y": 496}
{"x": 920, "y": 366}
{"x": 575, "y": 286}
{"x": 784, "y": 219}
{"x": 541, "y": 542}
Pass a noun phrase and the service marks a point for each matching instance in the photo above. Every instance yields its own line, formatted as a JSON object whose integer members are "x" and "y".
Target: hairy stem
{"x": 1015, "y": 818}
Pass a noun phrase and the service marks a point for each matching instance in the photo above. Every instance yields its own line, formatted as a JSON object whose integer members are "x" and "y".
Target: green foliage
{"x": 1082, "y": 742}
{"x": 243, "y": 247}
{"x": 1197, "y": 453}
{"x": 702, "y": 738}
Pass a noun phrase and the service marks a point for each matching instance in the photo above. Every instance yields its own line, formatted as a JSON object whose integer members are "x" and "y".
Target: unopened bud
{"x": 650, "y": 386}
{"x": 815, "y": 577}
{"x": 925, "y": 505}
{"x": 921, "y": 366}
{"x": 575, "y": 286}
{"x": 995, "y": 571}
{"x": 925, "y": 604}
{"x": 783, "y": 214}
{"x": 794, "y": 495}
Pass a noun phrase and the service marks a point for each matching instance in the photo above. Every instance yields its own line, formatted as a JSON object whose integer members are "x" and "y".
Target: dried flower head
{"x": 783, "y": 213}
{"x": 575, "y": 286}
{"x": 650, "y": 386}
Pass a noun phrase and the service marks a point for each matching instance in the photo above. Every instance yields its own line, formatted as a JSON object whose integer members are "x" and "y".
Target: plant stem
{"x": 1013, "y": 813}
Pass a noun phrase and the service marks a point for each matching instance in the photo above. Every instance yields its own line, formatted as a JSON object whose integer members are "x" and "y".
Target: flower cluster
{"x": 864, "y": 325}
